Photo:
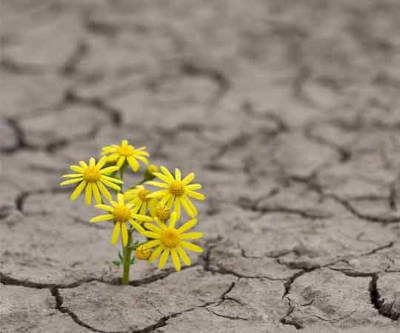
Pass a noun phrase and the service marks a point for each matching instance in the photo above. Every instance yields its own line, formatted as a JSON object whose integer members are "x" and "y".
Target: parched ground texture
{"x": 286, "y": 110}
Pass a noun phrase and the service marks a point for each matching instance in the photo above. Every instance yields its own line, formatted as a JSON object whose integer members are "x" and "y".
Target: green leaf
{"x": 120, "y": 256}
{"x": 116, "y": 263}
{"x": 132, "y": 260}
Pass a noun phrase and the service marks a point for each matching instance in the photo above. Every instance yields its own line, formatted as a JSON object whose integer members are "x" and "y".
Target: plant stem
{"x": 127, "y": 251}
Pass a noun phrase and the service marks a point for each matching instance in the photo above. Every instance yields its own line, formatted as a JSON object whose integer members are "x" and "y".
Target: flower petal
{"x": 191, "y": 246}
{"x": 115, "y": 234}
{"x": 96, "y": 193}
{"x": 108, "y": 170}
{"x": 78, "y": 190}
{"x": 189, "y": 208}
{"x": 104, "y": 190}
{"x": 133, "y": 163}
{"x": 187, "y": 226}
{"x": 167, "y": 173}
{"x": 88, "y": 194}
{"x": 175, "y": 260}
{"x": 188, "y": 178}
{"x": 156, "y": 253}
{"x": 105, "y": 207}
{"x": 163, "y": 259}
{"x": 196, "y": 195}
{"x": 99, "y": 218}
{"x": 151, "y": 244}
{"x": 158, "y": 184}
{"x": 178, "y": 174}
{"x": 124, "y": 230}
{"x": 183, "y": 256}
{"x": 71, "y": 181}
{"x": 192, "y": 235}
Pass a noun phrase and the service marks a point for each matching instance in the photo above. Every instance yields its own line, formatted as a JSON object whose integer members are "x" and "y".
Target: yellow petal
{"x": 78, "y": 190}
{"x": 133, "y": 163}
{"x": 156, "y": 253}
{"x": 124, "y": 234}
{"x": 175, "y": 260}
{"x": 76, "y": 168}
{"x": 192, "y": 235}
{"x": 187, "y": 226}
{"x": 109, "y": 184}
{"x": 104, "y": 190}
{"x": 109, "y": 170}
{"x": 72, "y": 175}
{"x": 178, "y": 174}
{"x": 188, "y": 206}
{"x": 120, "y": 198}
{"x": 115, "y": 234}
{"x": 193, "y": 187}
{"x": 100, "y": 218}
{"x": 162, "y": 177}
{"x": 163, "y": 259}
{"x": 157, "y": 184}
{"x": 88, "y": 194}
{"x": 137, "y": 226}
{"x": 96, "y": 193}
{"x": 120, "y": 161}
{"x": 158, "y": 194}
{"x": 177, "y": 209}
{"x": 183, "y": 256}
{"x": 172, "y": 220}
{"x": 191, "y": 246}
{"x": 101, "y": 162}
{"x": 92, "y": 162}
{"x": 151, "y": 244}
{"x": 105, "y": 207}
{"x": 112, "y": 179}
{"x": 167, "y": 173}
{"x": 153, "y": 228}
{"x": 196, "y": 195}
{"x": 189, "y": 178}
{"x": 150, "y": 234}
{"x": 71, "y": 181}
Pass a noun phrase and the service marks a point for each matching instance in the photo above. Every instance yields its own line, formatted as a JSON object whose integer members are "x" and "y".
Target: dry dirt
{"x": 286, "y": 110}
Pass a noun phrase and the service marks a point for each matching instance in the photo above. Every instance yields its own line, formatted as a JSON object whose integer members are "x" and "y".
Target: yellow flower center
{"x": 125, "y": 150}
{"x": 91, "y": 174}
{"x": 170, "y": 238}
{"x": 121, "y": 213}
{"x": 162, "y": 212}
{"x": 176, "y": 188}
{"x": 142, "y": 194}
{"x": 142, "y": 253}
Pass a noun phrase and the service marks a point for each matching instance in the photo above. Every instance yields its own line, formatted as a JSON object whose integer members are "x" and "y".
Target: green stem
{"x": 127, "y": 251}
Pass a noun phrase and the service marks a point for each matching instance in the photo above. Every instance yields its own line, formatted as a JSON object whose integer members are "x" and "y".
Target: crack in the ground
{"x": 215, "y": 75}
{"x": 344, "y": 153}
{"x": 97, "y": 103}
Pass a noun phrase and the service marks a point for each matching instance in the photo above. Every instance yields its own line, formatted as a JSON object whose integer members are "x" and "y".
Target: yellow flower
{"x": 170, "y": 241}
{"x": 126, "y": 152}
{"x": 120, "y": 213}
{"x": 142, "y": 253}
{"x": 177, "y": 191}
{"x": 93, "y": 177}
{"x": 159, "y": 210}
{"x": 139, "y": 198}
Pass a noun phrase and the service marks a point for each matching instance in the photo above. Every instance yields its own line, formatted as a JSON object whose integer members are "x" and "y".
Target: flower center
{"x": 162, "y": 212}
{"x": 176, "y": 188}
{"x": 125, "y": 150}
{"x": 91, "y": 174}
{"x": 170, "y": 238}
{"x": 142, "y": 194}
{"x": 121, "y": 213}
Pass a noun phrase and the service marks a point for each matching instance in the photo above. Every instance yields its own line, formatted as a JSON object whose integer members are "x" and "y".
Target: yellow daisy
{"x": 92, "y": 177}
{"x": 142, "y": 253}
{"x": 177, "y": 191}
{"x": 159, "y": 211}
{"x": 120, "y": 213}
{"x": 126, "y": 152}
{"x": 139, "y": 198}
{"x": 170, "y": 241}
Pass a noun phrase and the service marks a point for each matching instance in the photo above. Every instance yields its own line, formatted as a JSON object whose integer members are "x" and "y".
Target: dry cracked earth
{"x": 286, "y": 110}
